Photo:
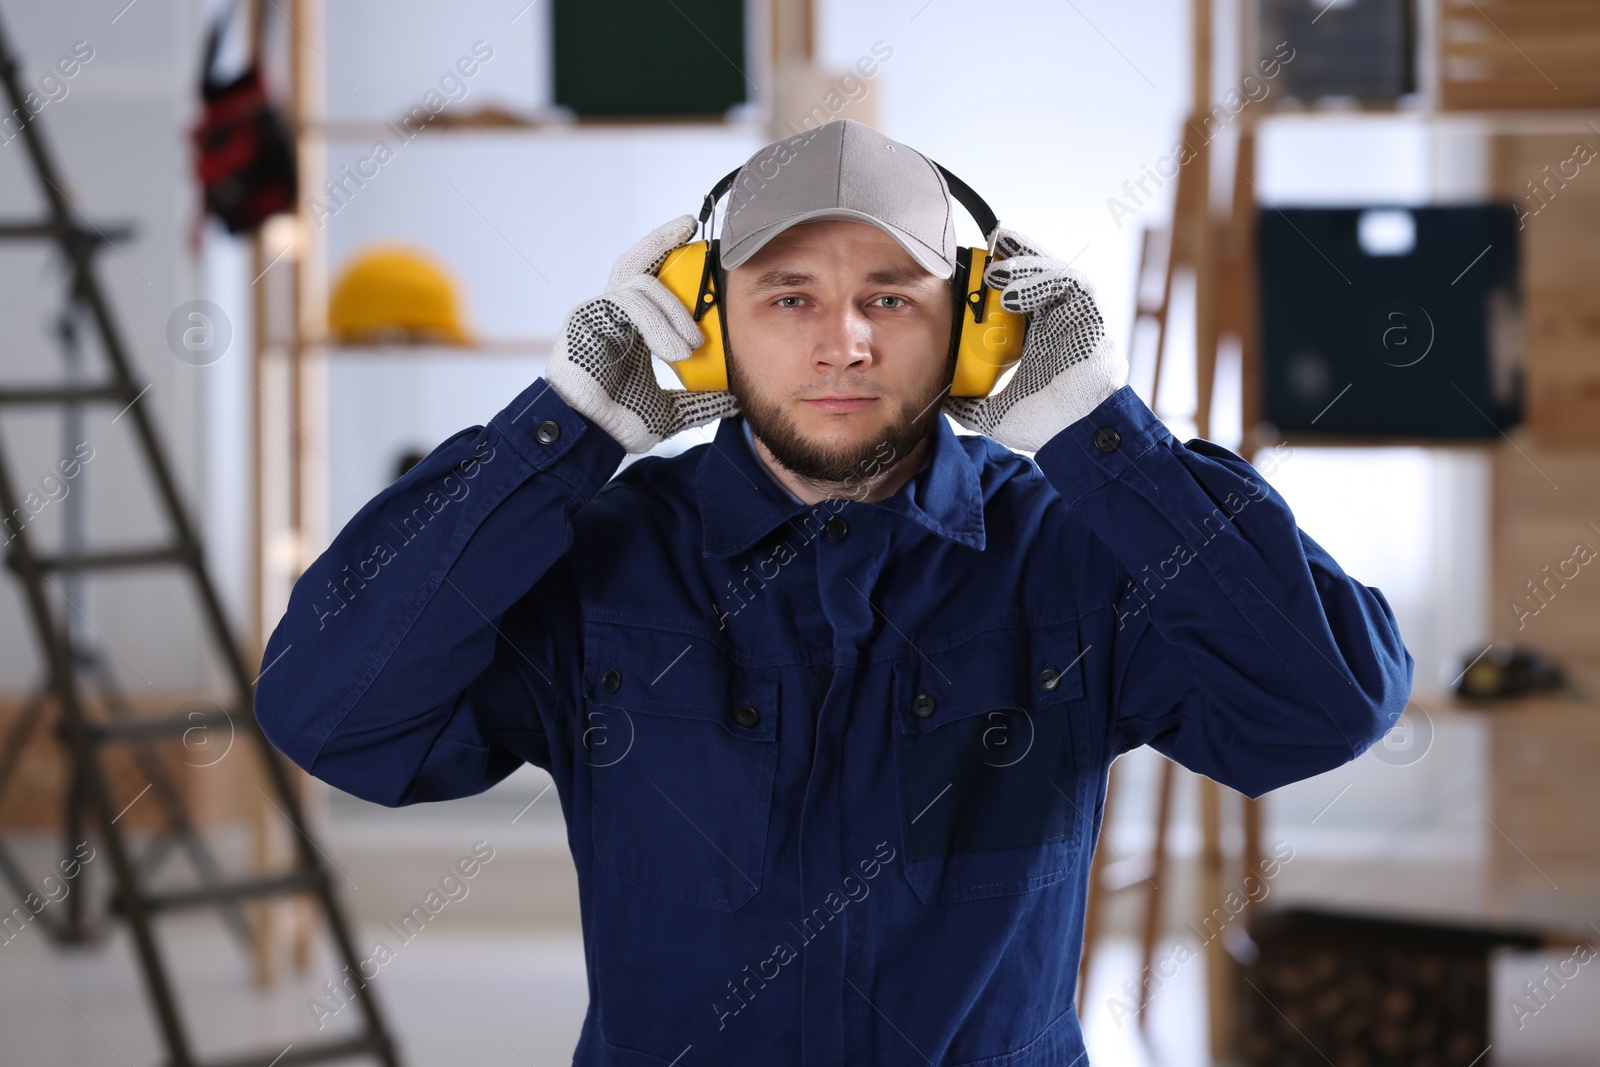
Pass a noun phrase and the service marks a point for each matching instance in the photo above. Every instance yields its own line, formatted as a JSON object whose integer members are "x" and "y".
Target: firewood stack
{"x": 1319, "y": 988}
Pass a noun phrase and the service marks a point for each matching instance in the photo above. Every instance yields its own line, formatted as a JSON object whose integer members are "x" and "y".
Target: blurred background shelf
{"x": 284, "y": 440}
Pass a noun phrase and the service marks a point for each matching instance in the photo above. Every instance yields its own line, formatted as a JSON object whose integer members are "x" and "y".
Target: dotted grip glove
{"x": 1068, "y": 366}
{"x": 601, "y": 363}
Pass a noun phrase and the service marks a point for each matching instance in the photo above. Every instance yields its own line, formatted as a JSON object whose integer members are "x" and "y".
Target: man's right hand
{"x": 601, "y": 362}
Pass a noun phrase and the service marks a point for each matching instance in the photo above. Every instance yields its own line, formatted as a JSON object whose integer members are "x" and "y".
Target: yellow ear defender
{"x": 986, "y": 338}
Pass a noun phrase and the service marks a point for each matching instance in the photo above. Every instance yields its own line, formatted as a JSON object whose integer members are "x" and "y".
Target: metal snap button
{"x": 1048, "y": 679}
{"x": 1106, "y": 439}
{"x": 923, "y": 706}
{"x": 611, "y": 681}
{"x": 836, "y": 528}
{"x": 549, "y": 432}
{"x": 745, "y": 715}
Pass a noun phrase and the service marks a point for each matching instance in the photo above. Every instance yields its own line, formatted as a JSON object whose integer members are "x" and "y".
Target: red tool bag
{"x": 244, "y": 157}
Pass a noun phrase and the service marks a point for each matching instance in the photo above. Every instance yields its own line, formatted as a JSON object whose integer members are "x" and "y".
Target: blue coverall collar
{"x": 741, "y": 505}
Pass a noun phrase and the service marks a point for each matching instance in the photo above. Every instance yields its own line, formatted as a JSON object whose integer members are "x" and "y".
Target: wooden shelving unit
{"x": 291, "y": 350}
{"x": 1487, "y": 81}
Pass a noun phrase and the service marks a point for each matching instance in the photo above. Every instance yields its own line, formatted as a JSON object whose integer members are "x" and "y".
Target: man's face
{"x": 839, "y": 342}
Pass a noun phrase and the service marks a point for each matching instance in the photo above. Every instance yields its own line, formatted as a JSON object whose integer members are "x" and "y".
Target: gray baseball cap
{"x": 842, "y": 170}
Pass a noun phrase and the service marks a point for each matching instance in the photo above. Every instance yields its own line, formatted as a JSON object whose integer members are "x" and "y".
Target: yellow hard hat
{"x": 394, "y": 293}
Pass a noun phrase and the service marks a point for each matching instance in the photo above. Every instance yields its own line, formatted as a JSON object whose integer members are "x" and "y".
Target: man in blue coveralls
{"x": 829, "y": 701}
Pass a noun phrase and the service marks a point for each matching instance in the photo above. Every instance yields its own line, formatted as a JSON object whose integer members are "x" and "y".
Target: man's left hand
{"x": 1068, "y": 366}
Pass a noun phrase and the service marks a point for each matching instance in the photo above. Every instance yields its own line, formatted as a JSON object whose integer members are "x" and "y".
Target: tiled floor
{"x": 488, "y": 988}
{"x": 493, "y": 1000}
{"x": 452, "y": 998}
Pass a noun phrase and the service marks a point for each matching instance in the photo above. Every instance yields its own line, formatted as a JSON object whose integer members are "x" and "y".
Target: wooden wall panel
{"x": 1545, "y": 523}
{"x": 1518, "y": 54}
{"x": 1558, "y": 202}
{"x": 1544, "y": 802}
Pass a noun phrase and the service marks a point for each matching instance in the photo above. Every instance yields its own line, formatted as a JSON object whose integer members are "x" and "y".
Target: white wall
{"x": 118, "y": 138}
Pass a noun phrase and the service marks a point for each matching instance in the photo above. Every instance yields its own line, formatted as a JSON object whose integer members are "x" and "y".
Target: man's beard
{"x": 838, "y": 465}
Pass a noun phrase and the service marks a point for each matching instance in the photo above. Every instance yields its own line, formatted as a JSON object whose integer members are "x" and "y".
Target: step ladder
{"x": 87, "y": 737}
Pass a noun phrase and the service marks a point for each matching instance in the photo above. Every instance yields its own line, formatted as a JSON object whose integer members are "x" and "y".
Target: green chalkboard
{"x": 657, "y": 58}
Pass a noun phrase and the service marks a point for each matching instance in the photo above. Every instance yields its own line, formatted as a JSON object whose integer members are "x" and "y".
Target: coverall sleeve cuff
{"x": 1099, "y": 447}
{"x": 544, "y": 428}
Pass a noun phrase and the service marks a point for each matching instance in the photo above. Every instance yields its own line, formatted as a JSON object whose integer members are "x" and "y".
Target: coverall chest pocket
{"x": 683, "y": 747}
{"x": 988, "y": 733}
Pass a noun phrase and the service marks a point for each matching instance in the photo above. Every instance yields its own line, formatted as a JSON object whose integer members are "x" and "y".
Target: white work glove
{"x": 1068, "y": 366}
{"x": 601, "y": 362}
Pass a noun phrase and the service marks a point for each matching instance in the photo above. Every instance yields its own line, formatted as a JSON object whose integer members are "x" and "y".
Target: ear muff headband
{"x": 980, "y": 350}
